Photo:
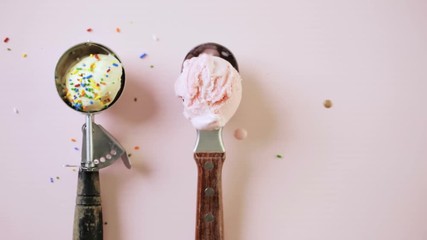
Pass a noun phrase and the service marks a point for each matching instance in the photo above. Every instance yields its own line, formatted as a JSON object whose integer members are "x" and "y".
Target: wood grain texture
{"x": 88, "y": 213}
{"x": 209, "y": 219}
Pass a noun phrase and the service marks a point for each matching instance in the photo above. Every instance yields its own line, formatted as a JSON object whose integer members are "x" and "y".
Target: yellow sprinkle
{"x": 24, "y": 55}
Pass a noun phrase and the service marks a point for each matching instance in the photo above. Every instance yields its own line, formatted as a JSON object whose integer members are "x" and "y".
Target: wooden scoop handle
{"x": 209, "y": 221}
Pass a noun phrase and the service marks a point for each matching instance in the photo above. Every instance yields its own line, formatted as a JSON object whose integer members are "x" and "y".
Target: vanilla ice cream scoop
{"x": 89, "y": 77}
{"x": 93, "y": 82}
{"x": 211, "y": 90}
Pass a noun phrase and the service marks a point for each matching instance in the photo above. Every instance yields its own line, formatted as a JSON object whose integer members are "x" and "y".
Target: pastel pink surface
{"x": 353, "y": 171}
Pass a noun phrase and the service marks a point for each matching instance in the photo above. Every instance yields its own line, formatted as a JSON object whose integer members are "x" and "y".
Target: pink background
{"x": 354, "y": 171}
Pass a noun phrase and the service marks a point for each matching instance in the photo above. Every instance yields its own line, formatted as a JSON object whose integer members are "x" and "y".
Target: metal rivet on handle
{"x": 209, "y": 192}
{"x": 208, "y": 166}
{"x": 209, "y": 217}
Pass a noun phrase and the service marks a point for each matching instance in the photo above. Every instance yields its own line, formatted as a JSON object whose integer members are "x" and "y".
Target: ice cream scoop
{"x": 211, "y": 90}
{"x": 210, "y": 87}
{"x": 89, "y": 78}
{"x": 94, "y": 82}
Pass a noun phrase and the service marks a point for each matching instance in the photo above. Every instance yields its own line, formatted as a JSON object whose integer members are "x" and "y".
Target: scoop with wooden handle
{"x": 209, "y": 154}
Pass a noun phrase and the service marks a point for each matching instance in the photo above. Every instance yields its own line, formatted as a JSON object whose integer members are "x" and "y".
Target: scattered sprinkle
{"x": 71, "y": 166}
{"x": 89, "y": 30}
{"x": 24, "y": 55}
{"x": 327, "y": 103}
{"x": 129, "y": 154}
{"x": 105, "y": 223}
{"x": 240, "y": 133}
{"x": 151, "y": 66}
{"x": 57, "y": 178}
{"x": 135, "y": 99}
{"x": 73, "y": 140}
{"x": 118, "y": 30}
{"x": 279, "y": 156}
{"x": 51, "y": 180}
{"x": 142, "y": 55}
{"x": 76, "y": 148}
{"x": 15, "y": 110}
{"x": 9, "y": 49}
{"x": 155, "y": 38}
{"x": 6, "y": 40}
{"x": 136, "y": 147}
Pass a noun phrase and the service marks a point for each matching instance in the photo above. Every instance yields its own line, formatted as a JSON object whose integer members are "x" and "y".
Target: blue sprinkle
{"x": 106, "y": 75}
{"x": 115, "y": 64}
{"x": 51, "y": 180}
{"x": 143, "y": 55}
{"x": 76, "y": 148}
{"x": 89, "y": 76}
{"x": 84, "y": 65}
{"x": 78, "y": 106}
{"x": 91, "y": 102}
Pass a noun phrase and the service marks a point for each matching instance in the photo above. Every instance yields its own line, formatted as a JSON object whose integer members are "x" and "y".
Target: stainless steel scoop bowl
{"x": 214, "y": 49}
{"x": 71, "y": 57}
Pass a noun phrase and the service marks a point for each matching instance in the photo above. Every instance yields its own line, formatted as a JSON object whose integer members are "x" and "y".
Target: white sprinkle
{"x": 15, "y": 110}
{"x": 155, "y": 38}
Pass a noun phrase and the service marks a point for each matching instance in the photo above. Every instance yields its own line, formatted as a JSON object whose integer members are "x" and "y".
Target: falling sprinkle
{"x": 129, "y": 154}
{"x": 9, "y": 49}
{"x": 136, "y": 147}
{"x": 73, "y": 140}
{"x": 115, "y": 64}
{"x": 6, "y": 40}
{"x": 240, "y": 133}
{"x": 24, "y": 55}
{"x": 57, "y": 178}
{"x": 151, "y": 66}
{"x": 279, "y": 156}
{"x": 118, "y": 30}
{"x": 89, "y": 30}
{"x": 76, "y": 148}
{"x": 327, "y": 103}
{"x": 135, "y": 99}
{"x": 142, "y": 55}
{"x": 155, "y": 38}
{"x": 51, "y": 180}
{"x": 15, "y": 110}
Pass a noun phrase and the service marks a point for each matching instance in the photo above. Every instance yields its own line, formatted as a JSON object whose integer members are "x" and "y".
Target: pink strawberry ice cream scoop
{"x": 211, "y": 90}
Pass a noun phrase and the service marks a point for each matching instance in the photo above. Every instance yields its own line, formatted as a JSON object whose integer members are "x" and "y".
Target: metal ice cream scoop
{"x": 209, "y": 154}
{"x": 100, "y": 149}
